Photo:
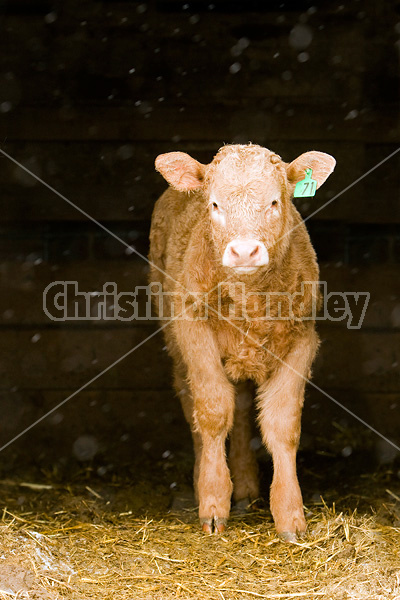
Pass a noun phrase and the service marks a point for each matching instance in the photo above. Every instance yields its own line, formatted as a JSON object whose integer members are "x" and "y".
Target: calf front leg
{"x": 280, "y": 401}
{"x": 213, "y": 408}
{"x": 213, "y": 414}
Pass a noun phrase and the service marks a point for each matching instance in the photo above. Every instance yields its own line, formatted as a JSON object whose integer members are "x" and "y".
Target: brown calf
{"x": 221, "y": 229}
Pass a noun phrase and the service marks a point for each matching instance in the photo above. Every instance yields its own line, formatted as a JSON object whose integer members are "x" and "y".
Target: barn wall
{"x": 90, "y": 93}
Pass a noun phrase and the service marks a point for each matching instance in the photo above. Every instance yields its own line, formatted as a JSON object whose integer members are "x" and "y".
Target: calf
{"x": 219, "y": 229}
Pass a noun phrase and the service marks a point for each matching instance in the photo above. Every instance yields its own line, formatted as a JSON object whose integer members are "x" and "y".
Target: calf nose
{"x": 245, "y": 253}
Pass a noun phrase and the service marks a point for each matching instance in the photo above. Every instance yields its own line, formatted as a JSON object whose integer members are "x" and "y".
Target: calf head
{"x": 247, "y": 192}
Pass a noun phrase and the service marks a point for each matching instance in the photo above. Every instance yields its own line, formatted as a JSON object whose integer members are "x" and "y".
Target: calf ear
{"x": 321, "y": 164}
{"x": 181, "y": 171}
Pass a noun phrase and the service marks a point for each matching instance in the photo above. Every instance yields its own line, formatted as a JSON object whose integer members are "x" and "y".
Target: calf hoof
{"x": 242, "y": 506}
{"x": 245, "y": 505}
{"x": 289, "y": 524}
{"x": 214, "y": 525}
{"x": 292, "y": 536}
{"x": 288, "y": 536}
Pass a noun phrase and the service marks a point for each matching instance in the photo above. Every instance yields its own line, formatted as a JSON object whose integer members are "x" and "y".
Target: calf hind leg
{"x": 242, "y": 460}
{"x": 185, "y": 397}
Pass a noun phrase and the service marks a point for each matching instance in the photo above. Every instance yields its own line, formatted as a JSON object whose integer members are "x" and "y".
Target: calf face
{"x": 247, "y": 192}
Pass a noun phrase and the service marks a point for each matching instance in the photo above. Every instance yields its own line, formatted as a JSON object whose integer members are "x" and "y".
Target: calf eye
{"x": 274, "y": 202}
{"x": 214, "y": 205}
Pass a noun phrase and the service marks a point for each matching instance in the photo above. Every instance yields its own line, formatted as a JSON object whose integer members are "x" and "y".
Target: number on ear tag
{"x": 306, "y": 187}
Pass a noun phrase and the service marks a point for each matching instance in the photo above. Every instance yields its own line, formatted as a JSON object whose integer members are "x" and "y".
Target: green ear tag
{"x": 306, "y": 187}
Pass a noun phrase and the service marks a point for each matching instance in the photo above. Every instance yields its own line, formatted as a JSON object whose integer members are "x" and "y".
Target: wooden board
{"x": 203, "y": 124}
{"x": 130, "y": 426}
{"x": 22, "y": 287}
{"x": 69, "y": 357}
{"x": 117, "y": 181}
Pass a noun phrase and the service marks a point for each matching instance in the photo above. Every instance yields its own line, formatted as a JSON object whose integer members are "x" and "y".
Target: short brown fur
{"x": 217, "y": 361}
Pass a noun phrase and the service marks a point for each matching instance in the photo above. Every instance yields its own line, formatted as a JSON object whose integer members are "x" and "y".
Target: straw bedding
{"x": 71, "y": 542}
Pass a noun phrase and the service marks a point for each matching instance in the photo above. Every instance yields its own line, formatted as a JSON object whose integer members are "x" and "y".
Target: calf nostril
{"x": 234, "y": 252}
{"x": 254, "y": 252}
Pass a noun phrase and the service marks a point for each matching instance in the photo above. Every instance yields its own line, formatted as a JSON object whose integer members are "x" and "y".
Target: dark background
{"x": 90, "y": 93}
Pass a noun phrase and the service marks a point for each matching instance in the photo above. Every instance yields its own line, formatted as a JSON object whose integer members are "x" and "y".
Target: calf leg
{"x": 280, "y": 401}
{"x": 242, "y": 460}
{"x": 186, "y": 400}
{"x": 213, "y": 408}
